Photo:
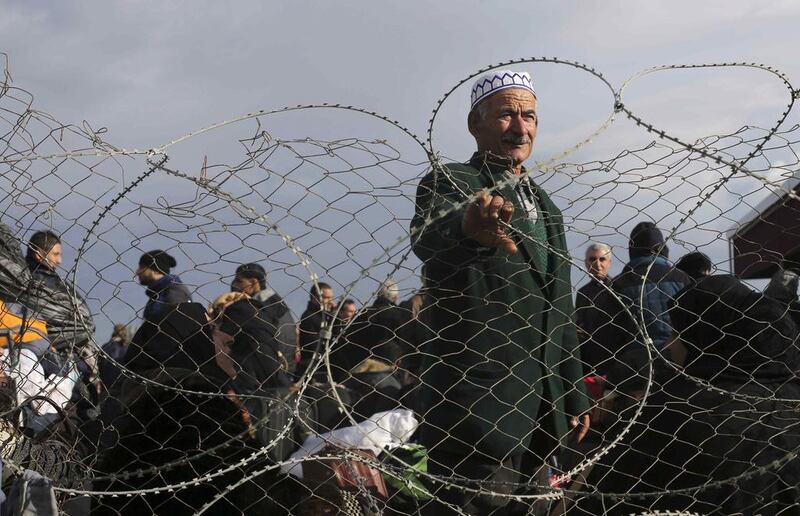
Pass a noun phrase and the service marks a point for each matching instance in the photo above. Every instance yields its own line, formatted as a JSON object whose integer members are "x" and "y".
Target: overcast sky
{"x": 153, "y": 71}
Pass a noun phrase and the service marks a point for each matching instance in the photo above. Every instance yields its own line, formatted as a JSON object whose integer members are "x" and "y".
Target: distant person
{"x": 373, "y": 334}
{"x": 114, "y": 352}
{"x": 413, "y": 334}
{"x": 163, "y": 289}
{"x": 647, "y": 285}
{"x": 69, "y": 322}
{"x": 247, "y": 350}
{"x": 347, "y": 310}
{"x": 345, "y": 313}
{"x": 316, "y": 321}
{"x": 595, "y": 306}
{"x": 372, "y": 350}
{"x": 70, "y": 327}
{"x": 696, "y": 264}
{"x": 782, "y": 287}
{"x": 251, "y": 278}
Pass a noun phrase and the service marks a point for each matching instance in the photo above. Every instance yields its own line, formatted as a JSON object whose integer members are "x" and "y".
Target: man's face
{"x": 508, "y": 125}
{"x": 249, "y": 286}
{"x": 598, "y": 263}
{"x": 145, "y": 275}
{"x": 326, "y": 298}
{"x": 347, "y": 312}
{"x": 52, "y": 259}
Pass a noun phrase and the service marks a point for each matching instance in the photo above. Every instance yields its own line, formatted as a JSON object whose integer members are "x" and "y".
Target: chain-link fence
{"x": 310, "y": 311}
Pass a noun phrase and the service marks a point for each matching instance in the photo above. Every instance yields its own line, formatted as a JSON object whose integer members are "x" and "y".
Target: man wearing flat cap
{"x": 502, "y": 387}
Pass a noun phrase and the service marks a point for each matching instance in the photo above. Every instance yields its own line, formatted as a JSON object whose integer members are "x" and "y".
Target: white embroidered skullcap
{"x": 497, "y": 80}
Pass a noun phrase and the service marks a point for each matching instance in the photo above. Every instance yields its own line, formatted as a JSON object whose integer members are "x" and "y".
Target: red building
{"x": 771, "y": 238}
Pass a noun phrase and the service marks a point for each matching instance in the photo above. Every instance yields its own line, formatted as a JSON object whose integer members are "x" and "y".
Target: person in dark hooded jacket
{"x": 647, "y": 284}
{"x": 317, "y": 320}
{"x": 373, "y": 333}
{"x": 163, "y": 289}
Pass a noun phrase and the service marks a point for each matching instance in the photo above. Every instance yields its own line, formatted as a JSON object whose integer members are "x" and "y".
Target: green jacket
{"x": 506, "y": 347}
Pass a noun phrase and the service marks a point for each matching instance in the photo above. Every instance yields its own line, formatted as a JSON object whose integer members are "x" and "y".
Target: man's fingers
{"x": 482, "y": 200}
{"x": 507, "y": 244}
{"x": 506, "y": 211}
{"x": 495, "y": 205}
{"x": 580, "y": 426}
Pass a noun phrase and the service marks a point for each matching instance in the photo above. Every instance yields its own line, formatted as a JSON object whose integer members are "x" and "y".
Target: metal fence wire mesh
{"x": 262, "y": 318}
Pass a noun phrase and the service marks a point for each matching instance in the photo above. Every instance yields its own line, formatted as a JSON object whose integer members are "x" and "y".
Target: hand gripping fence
{"x": 263, "y": 318}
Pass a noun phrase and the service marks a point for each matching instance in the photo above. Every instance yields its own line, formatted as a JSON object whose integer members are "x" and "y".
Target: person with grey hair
{"x": 388, "y": 290}
{"x": 502, "y": 383}
{"x": 595, "y": 307}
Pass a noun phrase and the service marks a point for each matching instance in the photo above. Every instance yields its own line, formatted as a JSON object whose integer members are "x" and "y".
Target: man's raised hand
{"x": 484, "y": 221}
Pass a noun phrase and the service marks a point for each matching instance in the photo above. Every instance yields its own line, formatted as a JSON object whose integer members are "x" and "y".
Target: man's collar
{"x": 492, "y": 162}
{"x": 604, "y": 280}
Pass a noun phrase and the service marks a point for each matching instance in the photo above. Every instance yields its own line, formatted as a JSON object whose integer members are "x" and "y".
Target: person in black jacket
{"x": 163, "y": 289}
{"x": 181, "y": 339}
{"x": 696, "y": 264}
{"x": 318, "y": 317}
{"x": 595, "y": 306}
{"x": 247, "y": 350}
{"x": 251, "y": 279}
{"x": 720, "y": 437}
{"x": 373, "y": 333}
{"x": 43, "y": 256}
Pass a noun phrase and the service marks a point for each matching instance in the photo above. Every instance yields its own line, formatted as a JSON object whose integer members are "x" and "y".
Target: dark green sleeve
{"x": 577, "y": 400}
{"x": 437, "y": 239}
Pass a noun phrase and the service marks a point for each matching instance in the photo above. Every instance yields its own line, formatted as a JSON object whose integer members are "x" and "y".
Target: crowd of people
{"x": 510, "y": 379}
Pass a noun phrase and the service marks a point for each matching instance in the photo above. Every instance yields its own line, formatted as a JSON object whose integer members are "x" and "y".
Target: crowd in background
{"x": 247, "y": 347}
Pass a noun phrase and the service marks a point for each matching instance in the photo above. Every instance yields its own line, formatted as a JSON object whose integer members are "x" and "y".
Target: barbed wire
{"x": 342, "y": 210}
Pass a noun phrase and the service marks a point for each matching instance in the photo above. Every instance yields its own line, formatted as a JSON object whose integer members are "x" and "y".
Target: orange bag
{"x": 33, "y": 330}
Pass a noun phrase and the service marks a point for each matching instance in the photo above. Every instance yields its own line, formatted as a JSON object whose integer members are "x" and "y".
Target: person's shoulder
{"x": 463, "y": 172}
{"x": 679, "y": 277}
{"x": 589, "y": 288}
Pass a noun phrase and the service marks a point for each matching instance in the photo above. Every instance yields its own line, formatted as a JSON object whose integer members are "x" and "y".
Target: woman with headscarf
{"x": 720, "y": 438}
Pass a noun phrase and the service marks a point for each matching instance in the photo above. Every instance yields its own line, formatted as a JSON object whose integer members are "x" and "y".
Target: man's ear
{"x": 473, "y": 118}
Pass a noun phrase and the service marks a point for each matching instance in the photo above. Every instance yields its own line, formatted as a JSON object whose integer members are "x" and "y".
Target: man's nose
{"x": 517, "y": 124}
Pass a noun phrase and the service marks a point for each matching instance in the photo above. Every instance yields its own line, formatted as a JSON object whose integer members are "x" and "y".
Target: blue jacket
{"x": 659, "y": 283}
{"x": 167, "y": 291}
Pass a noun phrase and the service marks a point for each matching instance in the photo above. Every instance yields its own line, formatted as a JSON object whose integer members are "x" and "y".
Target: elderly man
{"x": 502, "y": 380}
{"x": 595, "y": 306}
